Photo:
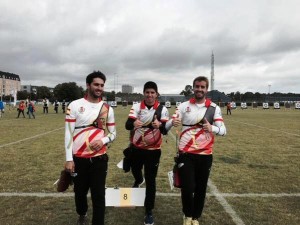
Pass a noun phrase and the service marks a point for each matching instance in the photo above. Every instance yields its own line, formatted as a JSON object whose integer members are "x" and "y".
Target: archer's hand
{"x": 96, "y": 145}
{"x": 176, "y": 121}
{"x": 207, "y": 126}
{"x": 155, "y": 124}
{"x": 137, "y": 123}
{"x": 70, "y": 166}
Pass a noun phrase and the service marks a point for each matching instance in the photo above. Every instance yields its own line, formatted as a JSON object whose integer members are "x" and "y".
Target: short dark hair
{"x": 150, "y": 85}
{"x": 201, "y": 78}
{"x": 95, "y": 74}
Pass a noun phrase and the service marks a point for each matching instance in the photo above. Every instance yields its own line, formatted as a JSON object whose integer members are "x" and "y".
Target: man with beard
{"x": 200, "y": 119}
{"x": 85, "y": 144}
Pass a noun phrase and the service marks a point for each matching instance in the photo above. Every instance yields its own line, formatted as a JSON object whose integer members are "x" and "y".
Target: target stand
{"x": 287, "y": 106}
{"x": 254, "y": 105}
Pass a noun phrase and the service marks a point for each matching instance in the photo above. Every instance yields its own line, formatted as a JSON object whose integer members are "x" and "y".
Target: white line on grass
{"x": 161, "y": 194}
{"x": 262, "y": 195}
{"x": 280, "y": 131}
{"x": 26, "y": 139}
{"x": 236, "y": 219}
{"x": 227, "y": 207}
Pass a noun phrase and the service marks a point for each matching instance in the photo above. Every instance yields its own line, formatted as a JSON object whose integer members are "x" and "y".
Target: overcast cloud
{"x": 256, "y": 43}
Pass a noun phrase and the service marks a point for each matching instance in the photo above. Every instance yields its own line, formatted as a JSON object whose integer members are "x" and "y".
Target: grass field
{"x": 254, "y": 180}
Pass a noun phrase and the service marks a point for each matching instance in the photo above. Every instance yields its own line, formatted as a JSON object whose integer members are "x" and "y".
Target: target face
{"x": 168, "y": 104}
{"x": 244, "y": 105}
{"x": 113, "y": 104}
{"x": 265, "y": 105}
{"x": 233, "y": 105}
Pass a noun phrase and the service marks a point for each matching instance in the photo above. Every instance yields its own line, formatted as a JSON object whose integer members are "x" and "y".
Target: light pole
{"x": 2, "y": 85}
{"x": 269, "y": 85}
{"x": 115, "y": 82}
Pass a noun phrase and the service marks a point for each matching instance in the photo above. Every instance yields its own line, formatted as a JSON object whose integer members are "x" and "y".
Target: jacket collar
{"x": 207, "y": 102}
{"x": 143, "y": 105}
{"x": 85, "y": 97}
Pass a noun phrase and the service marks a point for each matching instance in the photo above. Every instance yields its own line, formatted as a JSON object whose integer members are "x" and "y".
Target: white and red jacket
{"x": 147, "y": 137}
{"x": 78, "y": 130}
{"x": 193, "y": 138}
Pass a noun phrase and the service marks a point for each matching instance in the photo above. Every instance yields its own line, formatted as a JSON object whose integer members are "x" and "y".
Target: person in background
{"x": 1, "y": 109}
{"x": 27, "y": 101}
{"x": 31, "y": 110}
{"x": 86, "y": 147}
{"x": 201, "y": 119}
{"x": 21, "y": 109}
{"x": 56, "y": 104}
{"x": 228, "y": 106}
{"x": 146, "y": 121}
{"x": 45, "y": 105}
{"x": 63, "y": 106}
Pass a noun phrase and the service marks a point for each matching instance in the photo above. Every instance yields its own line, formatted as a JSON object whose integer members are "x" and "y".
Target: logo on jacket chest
{"x": 188, "y": 109}
{"x": 81, "y": 109}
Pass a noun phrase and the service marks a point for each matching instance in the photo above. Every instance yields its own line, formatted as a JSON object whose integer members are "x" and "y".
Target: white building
{"x": 126, "y": 88}
{"x": 9, "y": 83}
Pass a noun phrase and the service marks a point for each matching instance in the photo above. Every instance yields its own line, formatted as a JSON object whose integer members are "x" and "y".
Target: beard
{"x": 93, "y": 94}
{"x": 199, "y": 97}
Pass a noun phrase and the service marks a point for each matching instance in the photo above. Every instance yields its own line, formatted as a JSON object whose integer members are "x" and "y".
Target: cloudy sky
{"x": 256, "y": 43}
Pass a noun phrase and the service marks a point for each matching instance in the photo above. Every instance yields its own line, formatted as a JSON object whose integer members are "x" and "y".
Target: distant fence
{"x": 263, "y": 105}
{"x": 234, "y": 105}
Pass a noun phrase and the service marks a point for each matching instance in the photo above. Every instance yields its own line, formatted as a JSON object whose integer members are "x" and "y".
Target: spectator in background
{"x": 31, "y": 110}
{"x": 21, "y": 109}
{"x": 45, "y": 105}
{"x": 27, "y": 102}
{"x": 228, "y": 108}
{"x": 63, "y": 106}
{"x": 56, "y": 104}
{"x": 1, "y": 108}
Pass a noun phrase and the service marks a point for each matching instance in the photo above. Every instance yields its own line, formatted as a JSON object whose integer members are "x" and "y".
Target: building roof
{"x": 9, "y": 76}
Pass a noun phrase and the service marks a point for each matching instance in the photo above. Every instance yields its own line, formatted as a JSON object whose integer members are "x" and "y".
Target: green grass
{"x": 259, "y": 155}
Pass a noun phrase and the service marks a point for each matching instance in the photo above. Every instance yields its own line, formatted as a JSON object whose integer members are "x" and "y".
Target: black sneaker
{"x": 148, "y": 220}
{"x": 138, "y": 184}
{"x": 82, "y": 220}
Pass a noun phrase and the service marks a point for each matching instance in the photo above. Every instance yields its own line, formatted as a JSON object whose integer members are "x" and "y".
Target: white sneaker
{"x": 195, "y": 222}
{"x": 187, "y": 220}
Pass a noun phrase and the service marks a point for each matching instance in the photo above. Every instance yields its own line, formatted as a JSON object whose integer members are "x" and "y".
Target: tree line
{"x": 71, "y": 91}
{"x": 250, "y": 96}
